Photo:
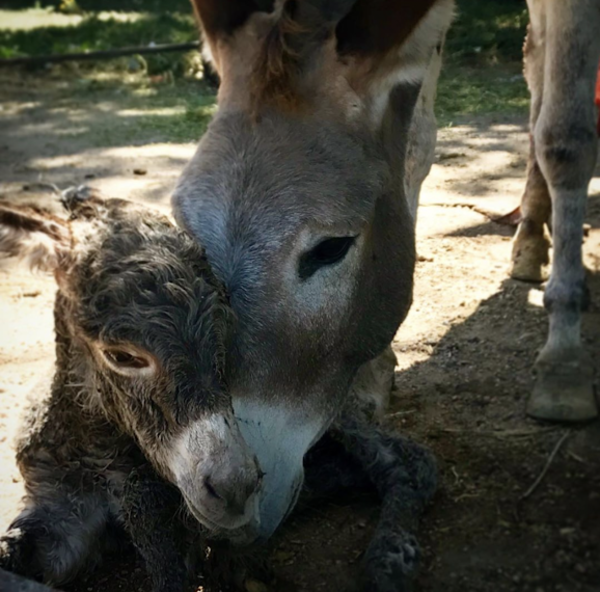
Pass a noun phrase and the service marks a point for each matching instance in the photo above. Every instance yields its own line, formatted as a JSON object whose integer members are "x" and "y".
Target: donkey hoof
{"x": 528, "y": 267}
{"x": 530, "y": 256}
{"x": 563, "y": 392}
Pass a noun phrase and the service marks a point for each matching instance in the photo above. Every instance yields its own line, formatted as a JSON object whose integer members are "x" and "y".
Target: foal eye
{"x": 327, "y": 252}
{"x": 125, "y": 360}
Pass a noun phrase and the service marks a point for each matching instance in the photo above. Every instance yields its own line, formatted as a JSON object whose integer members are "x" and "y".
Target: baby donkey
{"x": 142, "y": 331}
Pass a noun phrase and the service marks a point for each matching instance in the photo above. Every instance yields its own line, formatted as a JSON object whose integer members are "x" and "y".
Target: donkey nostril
{"x": 211, "y": 490}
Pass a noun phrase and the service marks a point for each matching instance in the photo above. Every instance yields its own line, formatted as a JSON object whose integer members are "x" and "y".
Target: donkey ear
{"x": 378, "y": 26}
{"x": 219, "y": 19}
{"x": 223, "y": 17}
{"x": 40, "y": 239}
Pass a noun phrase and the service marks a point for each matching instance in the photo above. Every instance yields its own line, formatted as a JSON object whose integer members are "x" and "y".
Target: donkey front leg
{"x": 566, "y": 147}
{"x": 150, "y": 510}
{"x": 405, "y": 477}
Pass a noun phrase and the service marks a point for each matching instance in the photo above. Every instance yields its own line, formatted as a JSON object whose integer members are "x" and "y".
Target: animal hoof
{"x": 530, "y": 256}
{"x": 527, "y": 270}
{"x": 391, "y": 563}
{"x": 563, "y": 392}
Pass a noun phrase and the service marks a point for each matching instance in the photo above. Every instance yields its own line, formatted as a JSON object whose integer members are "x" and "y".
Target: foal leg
{"x": 402, "y": 473}
{"x": 566, "y": 147}
{"x": 530, "y": 247}
{"x": 56, "y": 538}
{"x": 151, "y": 510}
{"x": 373, "y": 384}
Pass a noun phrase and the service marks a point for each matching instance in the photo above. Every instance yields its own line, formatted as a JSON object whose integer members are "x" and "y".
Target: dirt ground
{"x": 464, "y": 353}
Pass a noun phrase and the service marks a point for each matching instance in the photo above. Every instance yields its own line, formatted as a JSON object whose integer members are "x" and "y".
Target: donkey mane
{"x": 278, "y": 63}
{"x": 301, "y": 28}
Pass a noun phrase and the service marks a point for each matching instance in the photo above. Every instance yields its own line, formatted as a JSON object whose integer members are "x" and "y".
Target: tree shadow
{"x": 103, "y": 5}
{"x": 64, "y": 132}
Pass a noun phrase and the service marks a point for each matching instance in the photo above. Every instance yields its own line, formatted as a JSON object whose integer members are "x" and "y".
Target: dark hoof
{"x": 17, "y": 554}
{"x": 391, "y": 563}
{"x": 563, "y": 392}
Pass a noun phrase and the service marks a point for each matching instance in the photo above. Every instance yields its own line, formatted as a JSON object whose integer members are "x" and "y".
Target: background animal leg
{"x": 530, "y": 247}
{"x": 566, "y": 148}
{"x": 150, "y": 512}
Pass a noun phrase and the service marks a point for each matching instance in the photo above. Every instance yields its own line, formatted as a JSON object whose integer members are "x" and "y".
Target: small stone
{"x": 139, "y": 171}
{"x": 283, "y": 556}
{"x": 567, "y": 531}
{"x": 255, "y": 586}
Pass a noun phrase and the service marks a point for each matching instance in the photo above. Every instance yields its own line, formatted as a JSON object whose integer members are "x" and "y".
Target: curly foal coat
{"x": 139, "y": 395}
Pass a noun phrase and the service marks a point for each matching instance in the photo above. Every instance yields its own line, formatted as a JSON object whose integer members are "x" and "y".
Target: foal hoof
{"x": 391, "y": 563}
{"x": 563, "y": 392}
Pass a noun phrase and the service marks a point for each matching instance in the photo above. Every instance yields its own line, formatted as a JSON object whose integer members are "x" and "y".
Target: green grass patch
{"x": 142, "y": 114}
{"x": 96, "y": 33}
{"x": 487, "y": 31}
{"x": 484, "y": 31}
{"x": 467, "y": 91}
{"x": 481, "y": 73}
{"x": 187, "y": 123}
{"x": 156, "y": 6}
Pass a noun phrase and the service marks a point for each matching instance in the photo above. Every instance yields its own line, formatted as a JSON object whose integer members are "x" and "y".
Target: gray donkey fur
{"x": 303, "y": 191}
{"x": 142, "y": 332}
{"x": 561, "y": 64}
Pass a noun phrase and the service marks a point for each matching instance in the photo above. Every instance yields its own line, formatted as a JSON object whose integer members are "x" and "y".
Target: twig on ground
{"x": 501, "y": 433}
{"x": 553, "y": 454}
{"x": 400, "y": 413}
{"x": 513, "y": 218}
{"x": 104, "y": 54}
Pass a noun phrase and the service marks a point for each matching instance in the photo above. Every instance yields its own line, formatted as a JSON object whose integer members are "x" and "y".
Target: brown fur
{"x": 377, "y": 26}
{"x": 277, "y": 68}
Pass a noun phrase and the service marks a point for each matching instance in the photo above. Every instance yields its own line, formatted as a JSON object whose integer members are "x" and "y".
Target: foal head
{"x": 142, "y": 329}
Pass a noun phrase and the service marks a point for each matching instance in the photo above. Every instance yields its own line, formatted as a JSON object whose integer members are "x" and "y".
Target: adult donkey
{"x": 561, "y": 61}
{"x": 303, "y": 192}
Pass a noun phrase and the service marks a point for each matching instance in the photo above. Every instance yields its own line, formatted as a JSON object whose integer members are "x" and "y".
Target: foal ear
{"x": 39, "y": 238}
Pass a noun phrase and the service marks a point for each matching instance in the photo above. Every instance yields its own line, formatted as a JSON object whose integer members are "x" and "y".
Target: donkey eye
{"x": 327, "y": 252}
{"x": 125, "y": 360}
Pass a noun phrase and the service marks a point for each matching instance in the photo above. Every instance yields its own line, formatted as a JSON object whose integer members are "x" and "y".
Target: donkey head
{"x": 296, "y": 192}
{"x": 142, "y": 327}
